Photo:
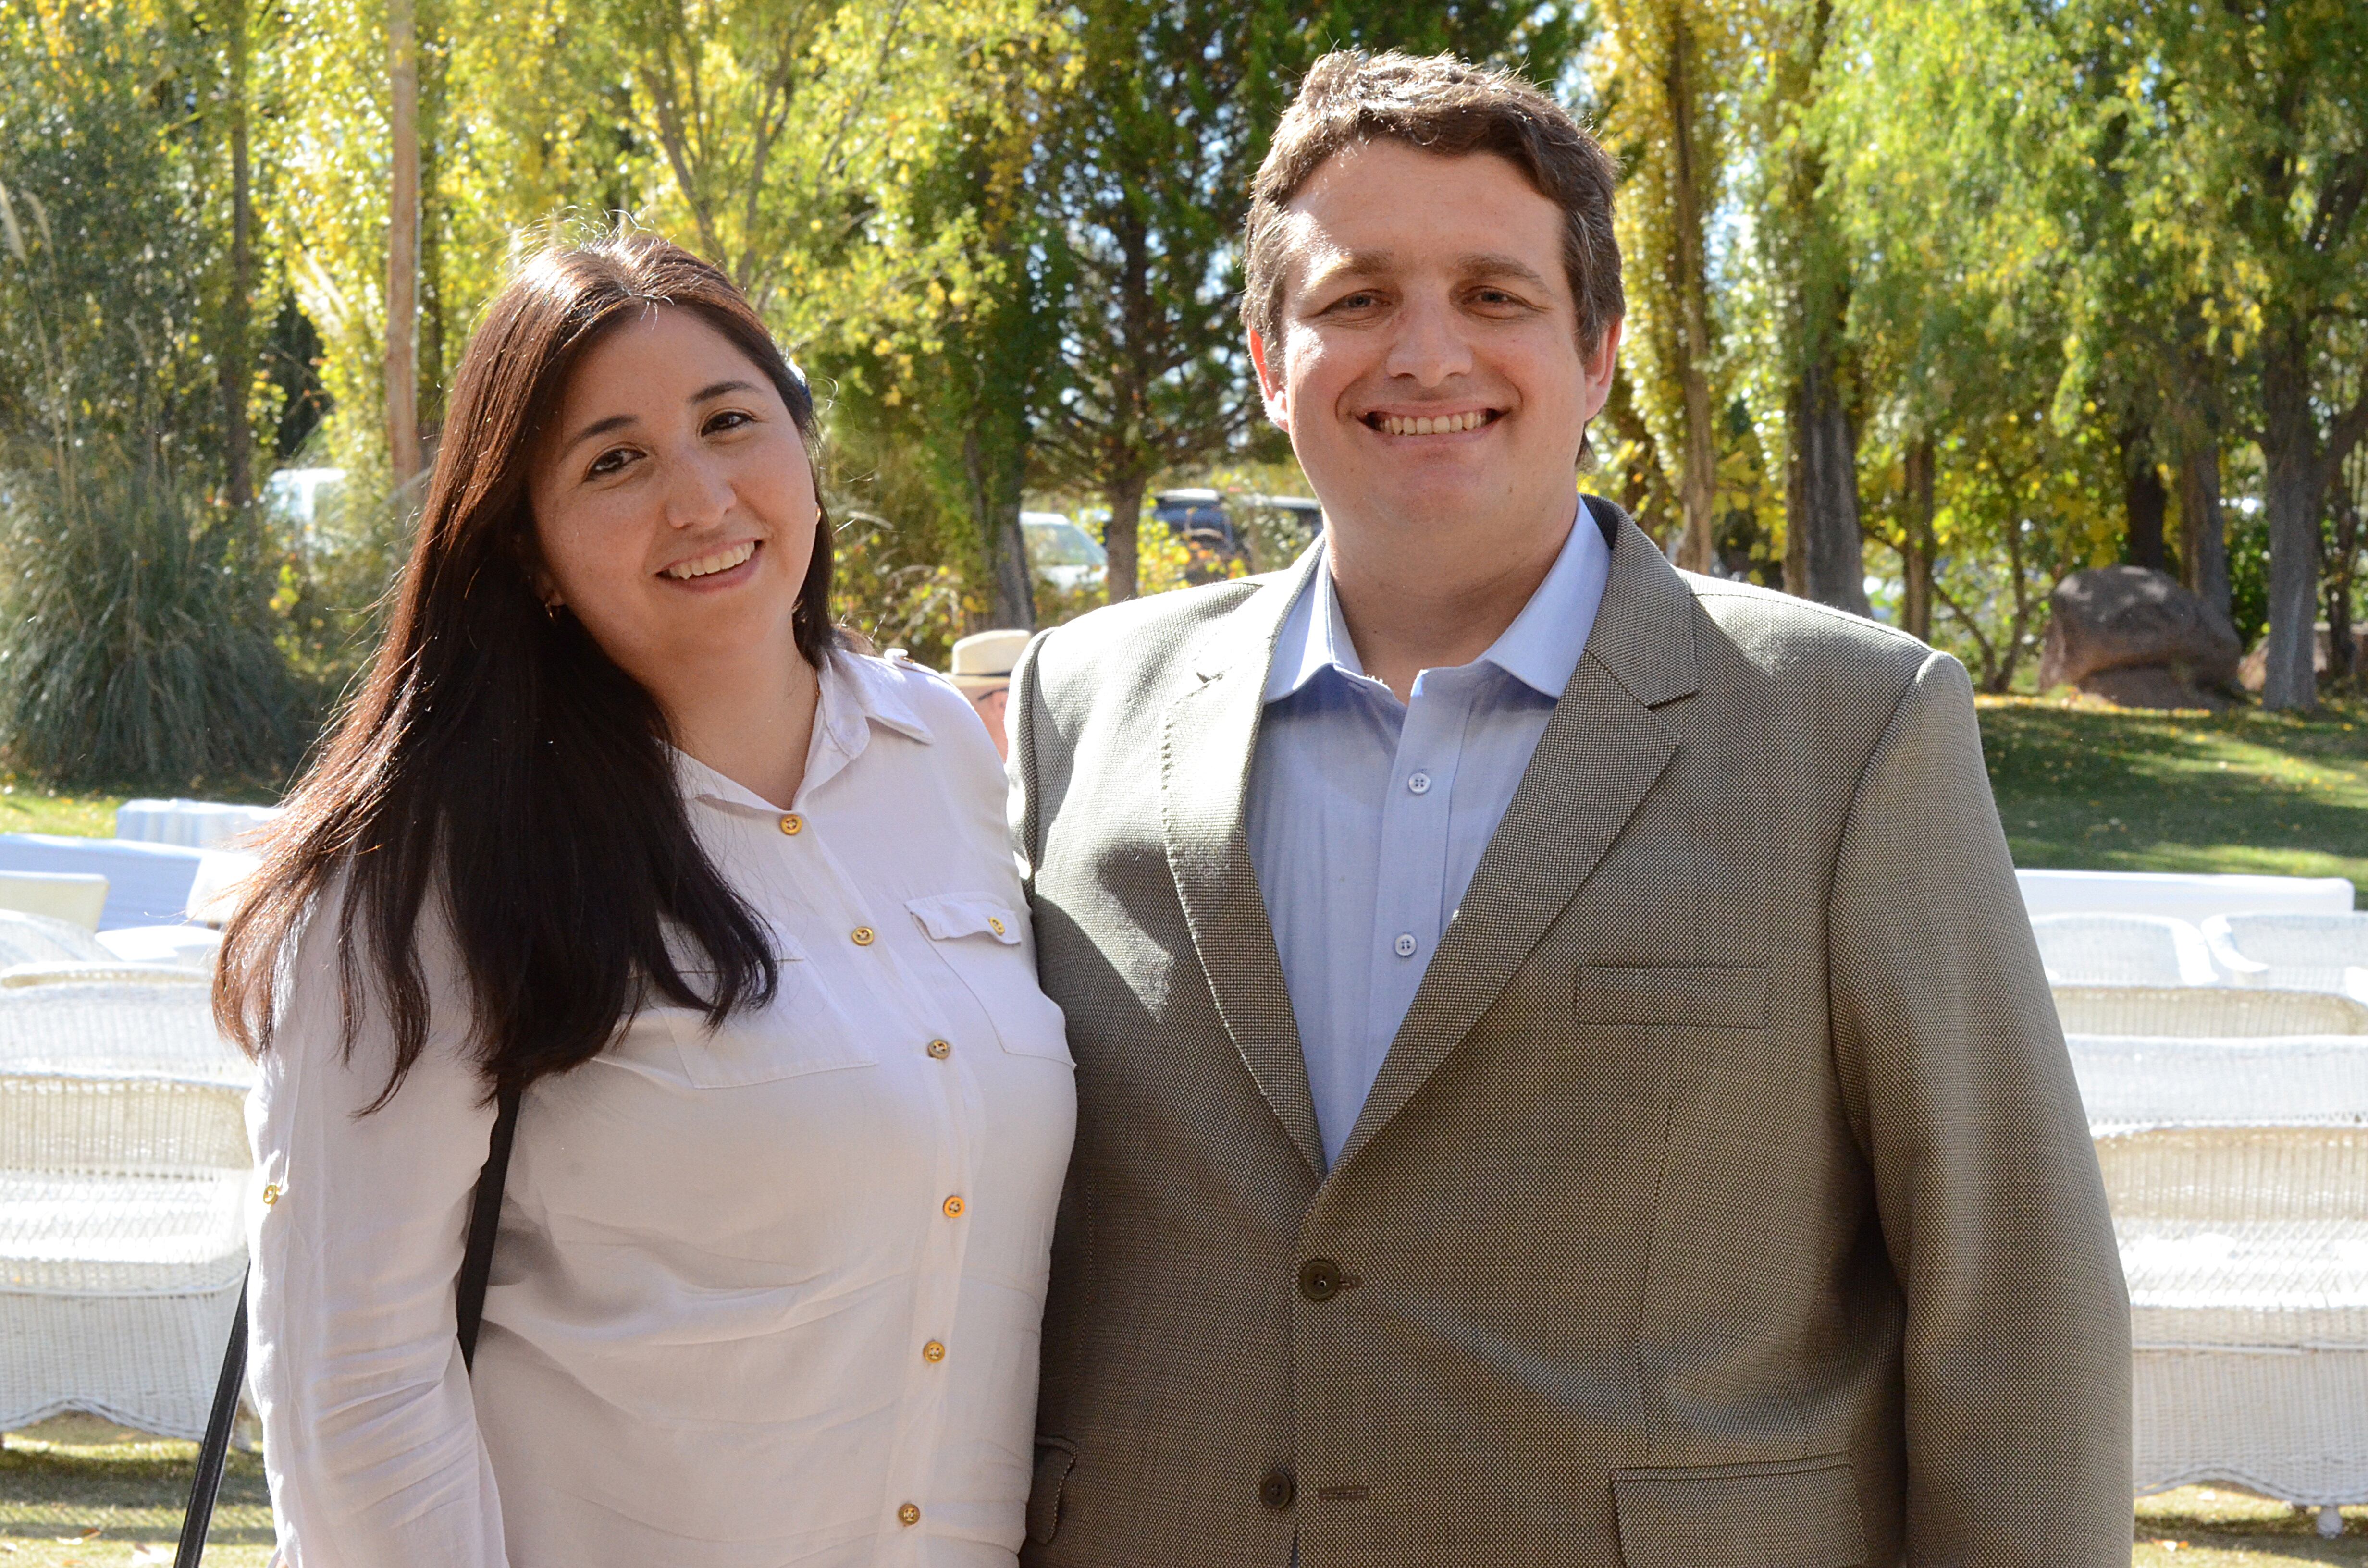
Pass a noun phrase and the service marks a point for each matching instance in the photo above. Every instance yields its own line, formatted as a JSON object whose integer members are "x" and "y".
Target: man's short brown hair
{"x": 1446, "y": 105}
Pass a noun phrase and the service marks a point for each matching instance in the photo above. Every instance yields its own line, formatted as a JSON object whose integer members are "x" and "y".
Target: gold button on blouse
{"x": 794, "y": 824}
{"x": 862, "y": 935}
{"x": 954, "y": 1206}
{"x": 996, "y": 925}
{"x": 941, "y": 1048}
{"x": 910, "y": 1513}
{"x": 933, "y": 1352}
{"x": 271, "y": 1196}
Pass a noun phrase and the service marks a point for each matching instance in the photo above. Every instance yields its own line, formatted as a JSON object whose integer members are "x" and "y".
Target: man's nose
{"x": 1428, "y": 346}
{"x": 698, "y": 492}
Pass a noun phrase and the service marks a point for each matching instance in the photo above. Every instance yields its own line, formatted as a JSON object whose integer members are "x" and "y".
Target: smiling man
{"x": 1564, "y": 1075}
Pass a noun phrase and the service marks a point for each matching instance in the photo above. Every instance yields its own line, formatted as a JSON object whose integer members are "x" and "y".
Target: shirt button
{"x": 271, "y": 1195}
{"x": 794, "y": 824}
{"x": 933, "y": 1352}
{"x": 996, "y": 925}
{"x": 1319, "y": 1279}
{"x": 1419, "y": 784}
{"x": 910, "y": 1513}
{"x": 862, "y": 935}
{"x": 955, "y": 1206}
{"x": 1277, "y": 1490}
{"x": 1406, "y": 944}
{"x": 941, "y": 1048}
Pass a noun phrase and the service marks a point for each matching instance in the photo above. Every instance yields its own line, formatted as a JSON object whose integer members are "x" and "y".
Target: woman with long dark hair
{"x": 617, "y": 834}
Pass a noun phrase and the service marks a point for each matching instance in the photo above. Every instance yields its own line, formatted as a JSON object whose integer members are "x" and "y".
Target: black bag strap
{"x": 477, "y": 1269}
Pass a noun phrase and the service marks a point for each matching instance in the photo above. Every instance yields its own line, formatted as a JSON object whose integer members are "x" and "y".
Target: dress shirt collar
{"x": 1537, "y": 650}
{"x": 855, "y": 694}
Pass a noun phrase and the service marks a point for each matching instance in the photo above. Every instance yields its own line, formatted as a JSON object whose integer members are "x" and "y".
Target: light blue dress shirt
{"x": 1367, "y": 817}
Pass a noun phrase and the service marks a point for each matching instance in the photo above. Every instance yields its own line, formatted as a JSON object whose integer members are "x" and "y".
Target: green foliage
{"x": 142, "y": 650}
{"x": 2248, "y": 575}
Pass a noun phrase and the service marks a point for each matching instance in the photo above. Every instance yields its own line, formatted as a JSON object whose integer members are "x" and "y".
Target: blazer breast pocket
{"x": 802, "y": 1031}
{"x": 984, "y": 939}
{"x": 1716, "y": 997}
{"x": 1799, "y": 1514}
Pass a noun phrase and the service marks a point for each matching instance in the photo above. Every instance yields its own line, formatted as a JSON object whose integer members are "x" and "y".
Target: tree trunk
{"x": 1916, "y": 560}
{"x": 1124, "y": 494}
{"x": 2143, "y": 499}
{"x": 2295, "y": 477}
{"x": 1698, "y": 485}
{"x": 2202, "y": 535}
{"x": 995, "y": 509}
{"x": 403, "y": 247}
{"x": 1824, "y": 496}
{"x": 238, "y": 359}
{"x": 2340, "y": 572}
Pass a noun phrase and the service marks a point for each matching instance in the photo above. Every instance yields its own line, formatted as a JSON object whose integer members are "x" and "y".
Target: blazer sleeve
{"x": 369, "y": 1431}
{"x": 2017, "y": 1349}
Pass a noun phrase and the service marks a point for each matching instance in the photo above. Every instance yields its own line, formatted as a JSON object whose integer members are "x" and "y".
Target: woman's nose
{"x": 699, "y": 490}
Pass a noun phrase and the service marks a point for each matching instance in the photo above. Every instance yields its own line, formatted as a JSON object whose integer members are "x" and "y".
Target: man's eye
{"x": 1363, "y": 299}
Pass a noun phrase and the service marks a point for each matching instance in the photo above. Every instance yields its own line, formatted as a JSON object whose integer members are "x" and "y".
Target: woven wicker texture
{"x": 1613, "y": 1269}
{"x": 123, "y": 1169}
{"x": 2238, "y": 1171}
{"x": 2123, "y": 949}
{"x": 115, "y": 1027}
{"x": 104, "y": 972}
{"x": 2204, "y": 1011}
{"x": 37, "y": 939}
{"x": 2132, "y": 1080}
{"x": 2298, "y": 952}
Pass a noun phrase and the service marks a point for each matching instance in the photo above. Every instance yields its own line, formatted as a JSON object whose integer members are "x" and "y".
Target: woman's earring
{"x": 551, "y": 609}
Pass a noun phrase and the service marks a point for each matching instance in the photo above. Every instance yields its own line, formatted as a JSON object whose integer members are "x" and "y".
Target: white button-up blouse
{"x": 763, "y": 1296}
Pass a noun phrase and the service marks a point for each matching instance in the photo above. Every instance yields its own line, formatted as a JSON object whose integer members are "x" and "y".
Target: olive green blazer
{"x": 1724, "y": 1200}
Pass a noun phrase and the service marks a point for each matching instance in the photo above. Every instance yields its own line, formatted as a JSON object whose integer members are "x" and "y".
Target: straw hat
{"x": 984, "y": 660}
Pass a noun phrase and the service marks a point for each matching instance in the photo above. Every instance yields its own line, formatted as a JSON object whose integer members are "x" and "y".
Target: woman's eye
{"x": 730, "y": 419}
{"x": 613, "y": 460}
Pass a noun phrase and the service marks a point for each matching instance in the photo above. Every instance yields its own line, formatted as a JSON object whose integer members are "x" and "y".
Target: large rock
{"x": 2108, "y": 625}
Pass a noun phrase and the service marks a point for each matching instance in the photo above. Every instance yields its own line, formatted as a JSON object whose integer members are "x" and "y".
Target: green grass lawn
{"x": 2083, "y": 786}
{"x": 76, "y": 1492}
{"x": 32, "y": 808}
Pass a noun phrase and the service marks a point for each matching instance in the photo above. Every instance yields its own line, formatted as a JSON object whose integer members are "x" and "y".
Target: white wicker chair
{"x": 2123, "y": 949}
{"x": 37, "y": 939}
{"x": 2194, "y": 1011}
{"x": 134, "y": 1026}
{"x": 184, "y": 947}
{"x": 2237, "y": 1173}
{"x": 107, "y": 971}
{"x": 2298, "y": 952}
{"x": 121, "y": 1245}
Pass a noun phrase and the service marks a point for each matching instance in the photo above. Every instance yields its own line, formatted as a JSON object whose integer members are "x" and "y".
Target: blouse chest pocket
{"x": 802, "y": 1031}
{"x": 984, "y": 939}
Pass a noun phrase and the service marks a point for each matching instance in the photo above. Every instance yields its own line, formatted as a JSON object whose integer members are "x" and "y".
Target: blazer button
{"x": 1319, "y": 1279}
{"x": 1277, "y": 1489}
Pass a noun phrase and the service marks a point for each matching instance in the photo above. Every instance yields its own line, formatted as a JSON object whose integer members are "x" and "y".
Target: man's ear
{"x": 1595, "y": 370}
{"x": 1272, "y": 388}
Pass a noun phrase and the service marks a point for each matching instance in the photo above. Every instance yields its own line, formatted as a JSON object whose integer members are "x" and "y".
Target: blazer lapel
{"x": 1600, "y": 752}
{"x": 1210, "y": 737}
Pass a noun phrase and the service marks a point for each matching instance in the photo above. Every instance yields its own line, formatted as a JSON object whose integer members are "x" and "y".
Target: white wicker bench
{"x": 123, "y": 1174}
{"x": 2300, "y": 952}
{"x": 2238, "y": 1174}
{"x": 37, "y": 939}
{"x": 2205, "y": 1011}
{"x": 2123, "y": 949}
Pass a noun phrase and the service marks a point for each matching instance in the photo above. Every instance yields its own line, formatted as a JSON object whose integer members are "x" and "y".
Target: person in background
{"x": 617, "y": 832}
{"x": 1566, "y": 1076}
{"x": 982, "y": 672}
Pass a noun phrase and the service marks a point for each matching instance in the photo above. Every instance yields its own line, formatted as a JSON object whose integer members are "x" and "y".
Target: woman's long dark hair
{"x": 495, "y": 758}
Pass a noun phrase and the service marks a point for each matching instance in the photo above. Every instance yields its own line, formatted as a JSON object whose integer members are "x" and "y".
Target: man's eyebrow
{"x": 618, "y": 421}
{"x": 1491, "y": 263}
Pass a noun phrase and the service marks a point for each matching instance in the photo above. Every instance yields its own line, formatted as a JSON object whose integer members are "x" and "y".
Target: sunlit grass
{"x": 2087, "y": 786}
{"x": 2218, "y": 1526}
{"x": 79, "y": 1491}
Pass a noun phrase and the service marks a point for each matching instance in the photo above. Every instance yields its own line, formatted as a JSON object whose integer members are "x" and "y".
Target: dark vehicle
{"x": 1267, "y": 532}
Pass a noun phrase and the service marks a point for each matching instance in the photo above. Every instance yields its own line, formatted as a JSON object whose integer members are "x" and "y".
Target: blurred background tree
{"x": 1930, "y": 306}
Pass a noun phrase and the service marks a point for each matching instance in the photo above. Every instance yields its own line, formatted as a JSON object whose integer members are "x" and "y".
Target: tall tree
{"x": 1660, "y": 81}
{"x": 403, "y": 243}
